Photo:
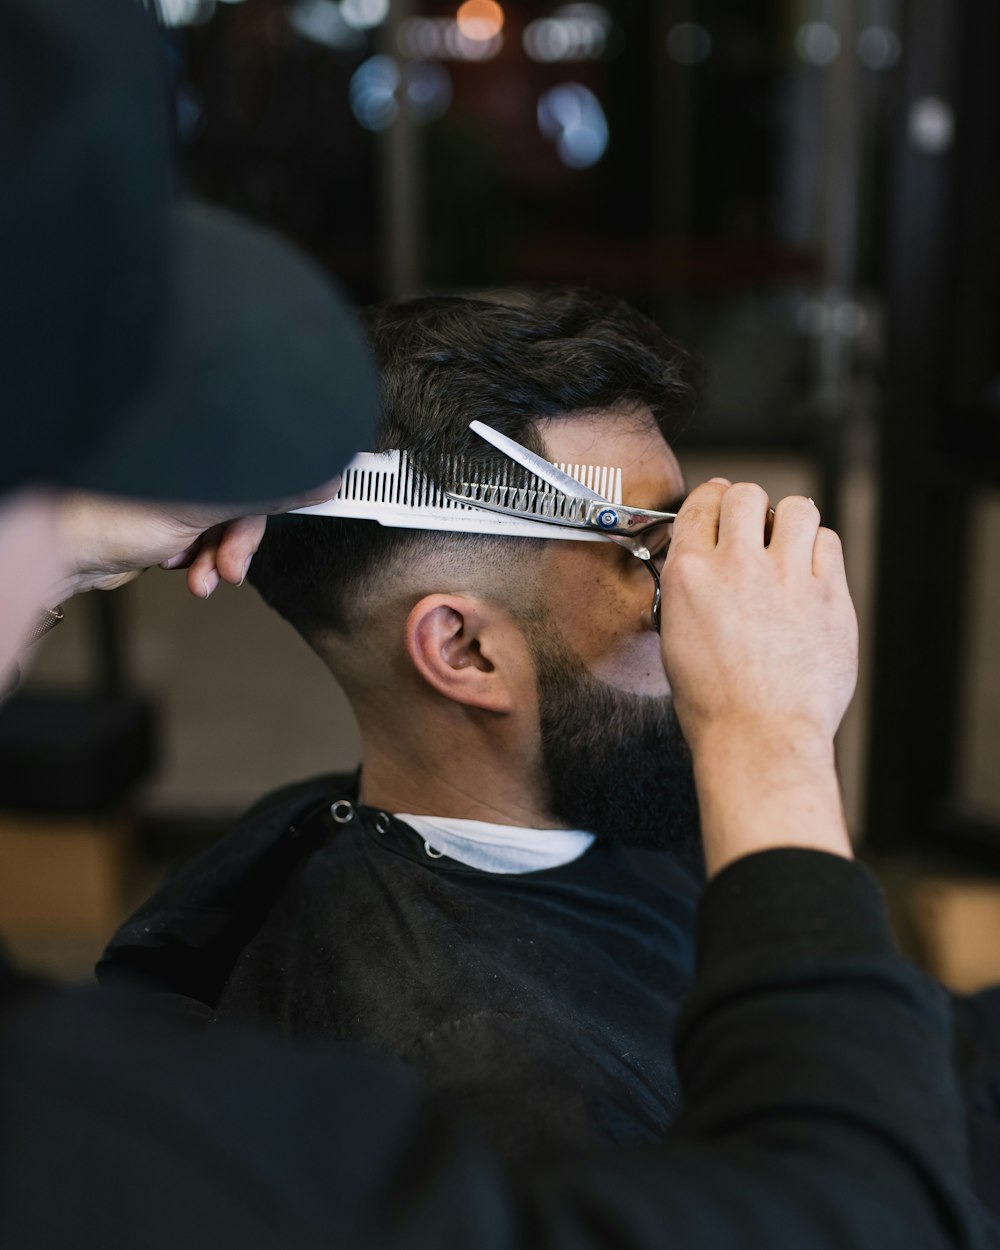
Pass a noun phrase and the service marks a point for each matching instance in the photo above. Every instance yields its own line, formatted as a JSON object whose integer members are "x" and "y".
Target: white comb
{"x": 386, "y": 487}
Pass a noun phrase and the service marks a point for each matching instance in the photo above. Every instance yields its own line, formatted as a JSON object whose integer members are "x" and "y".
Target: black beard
{"x": 617, "y": 764}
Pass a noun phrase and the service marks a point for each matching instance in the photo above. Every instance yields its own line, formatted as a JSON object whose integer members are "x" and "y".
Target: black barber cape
{"x": 819, "y": 1113}
{"x": 543, "y": 1002}
{"x": 543, "y": 1005}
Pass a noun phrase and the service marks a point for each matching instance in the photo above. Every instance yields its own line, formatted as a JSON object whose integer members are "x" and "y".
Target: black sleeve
{"x": 821, "y": 1110}
{"x": 820, "y": 1115}
{"x": 977, "y": 1061}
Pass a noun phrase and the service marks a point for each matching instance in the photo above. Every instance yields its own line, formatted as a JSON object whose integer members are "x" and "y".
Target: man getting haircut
{"x": 504, "y": 898}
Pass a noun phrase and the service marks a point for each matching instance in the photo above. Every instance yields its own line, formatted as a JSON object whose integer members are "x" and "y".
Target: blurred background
{"x": 805, "y": 191}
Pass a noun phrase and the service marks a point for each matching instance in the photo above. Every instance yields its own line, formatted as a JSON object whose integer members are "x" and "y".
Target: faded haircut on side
{"x": 444, "y": 361}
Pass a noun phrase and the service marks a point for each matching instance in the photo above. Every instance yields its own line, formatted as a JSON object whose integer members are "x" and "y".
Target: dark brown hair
{"x": 444, "y": 361}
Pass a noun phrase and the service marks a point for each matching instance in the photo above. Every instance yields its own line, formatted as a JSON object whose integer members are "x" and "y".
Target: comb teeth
{"x": 387, "y": 479}
{"x": 390, "y": 488}
{"x": 546, "y": 504}
{"x": 401, "y": 484}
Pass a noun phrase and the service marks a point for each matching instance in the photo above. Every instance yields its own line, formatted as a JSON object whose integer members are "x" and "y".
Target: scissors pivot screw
{"x": 607, "y": 518}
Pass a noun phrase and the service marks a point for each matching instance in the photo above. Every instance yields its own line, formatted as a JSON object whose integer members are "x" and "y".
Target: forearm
{"x": 763, "y": 787}
{"x": 94, "y": 532}
{"x": 106, "y": 542}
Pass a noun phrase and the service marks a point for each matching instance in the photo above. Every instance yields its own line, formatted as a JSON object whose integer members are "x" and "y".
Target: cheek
{"x": 632, "y": 663}
{"x": 613, "y": 638}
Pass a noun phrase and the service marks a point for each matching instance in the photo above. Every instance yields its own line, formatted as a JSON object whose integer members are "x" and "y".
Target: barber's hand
{"x": 108, "y": 542}
{"x": 764, "y": 637}
{"x": 760, "y": 645}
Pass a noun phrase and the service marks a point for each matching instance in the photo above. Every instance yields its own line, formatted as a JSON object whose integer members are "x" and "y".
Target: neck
{"x": 462, "y": 777}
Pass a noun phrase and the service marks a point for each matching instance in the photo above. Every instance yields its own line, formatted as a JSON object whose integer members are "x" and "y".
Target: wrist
{"x": 90, "y": 537}
{"x": 75, "y": 580}
{"x": 768, "y": 787}
{"x": 755, "y": 742}
{"x": 74, "y": 540}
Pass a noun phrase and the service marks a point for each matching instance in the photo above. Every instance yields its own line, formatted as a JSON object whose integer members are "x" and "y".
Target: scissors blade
{"x": 531, "y": 505}
{"x": 534, "y": 464}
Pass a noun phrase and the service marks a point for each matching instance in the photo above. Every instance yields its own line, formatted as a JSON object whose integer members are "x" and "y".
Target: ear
{"x": 458, "y": 645}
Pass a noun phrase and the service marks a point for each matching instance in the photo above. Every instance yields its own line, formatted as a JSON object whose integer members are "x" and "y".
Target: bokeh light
{"x": 364, "y": 14}
{"x": 931, "y": 125}
{"x": 817, "y": 43}
{"x": 688, "y": 43}
{"x": 186, "y": 12}
{"x": 879, "y": 48}
{"x": 373, "y": 93}
{"x": 428, "y": 90}
{"x": 379, "y": 86}
{"x": 480, "y": 20}
{"x": 575, "y": 32}
{"x": 571, "y": 116}
{"x": 441, "y": 39}
{"x": 323, "y": 22}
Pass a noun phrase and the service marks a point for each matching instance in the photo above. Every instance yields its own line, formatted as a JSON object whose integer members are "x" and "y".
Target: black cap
{"x": 261, "y": 386}
{"x": 171, "y": 353}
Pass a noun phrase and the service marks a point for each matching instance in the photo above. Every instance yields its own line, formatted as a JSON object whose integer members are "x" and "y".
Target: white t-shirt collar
{"x": 499, "y": 848}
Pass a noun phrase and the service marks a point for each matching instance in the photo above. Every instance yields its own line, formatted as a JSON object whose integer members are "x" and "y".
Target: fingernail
{"x": 246, "y": 570}
{"x": 721, "y": 481}
{"x": 210, "y": 581}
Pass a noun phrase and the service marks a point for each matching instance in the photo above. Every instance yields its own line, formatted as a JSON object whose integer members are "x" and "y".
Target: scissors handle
{"x": 616, "y": 518}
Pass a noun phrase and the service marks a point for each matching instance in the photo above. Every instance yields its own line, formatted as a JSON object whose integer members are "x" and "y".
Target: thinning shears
{"x": 569, "y": 503}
